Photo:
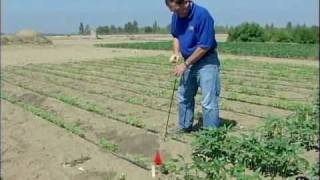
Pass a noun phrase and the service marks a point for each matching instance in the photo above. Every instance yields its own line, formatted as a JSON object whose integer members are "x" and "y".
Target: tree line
{"x": 245, "y": 32}
{"x": 134, "y": 28}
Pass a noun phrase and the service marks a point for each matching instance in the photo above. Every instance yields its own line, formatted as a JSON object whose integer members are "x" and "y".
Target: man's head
{"x": 180, "y": 7}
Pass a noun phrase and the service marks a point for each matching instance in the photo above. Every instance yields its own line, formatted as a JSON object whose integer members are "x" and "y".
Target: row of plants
{"x": 252, "y": 88}
{"x": 275, "y": 73}
{"x": 231, "y": 63}
{"x": 154, "y": 102}
{"x": 122, "y": 117}
{"x": 159, "y": 73}
{"x": 80, "y": 102}
{"x": 236, "y": 95}
{"x": 44, "y": 114}
{"x": 143, "y": 101}
{"x": 297, "y": 75}
{"x": 278, "y": 50}
{"x": 247, "y": 81}
{"x": 231, "y": 96}
{"x": 278, "y": 69}
{"x": 284, "y": 70}
{"x": 74, "y": 128}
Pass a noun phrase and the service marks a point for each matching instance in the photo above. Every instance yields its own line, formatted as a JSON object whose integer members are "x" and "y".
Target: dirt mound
{"x": 27, "y": 33}
{"x": 26, "y": 37}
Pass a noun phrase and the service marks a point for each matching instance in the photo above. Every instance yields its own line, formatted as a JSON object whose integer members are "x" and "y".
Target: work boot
{"x": 183, "y": 130}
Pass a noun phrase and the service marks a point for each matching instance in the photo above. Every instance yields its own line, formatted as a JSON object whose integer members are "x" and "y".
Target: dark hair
{"x": 175, "y": 1}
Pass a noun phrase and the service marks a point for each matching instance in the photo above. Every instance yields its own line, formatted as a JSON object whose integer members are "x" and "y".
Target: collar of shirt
{"x": 190, "y": 13}
{"x": 192, "y": 9}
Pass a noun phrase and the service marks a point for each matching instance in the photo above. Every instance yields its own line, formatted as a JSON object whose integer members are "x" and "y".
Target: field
{"x": 77, "y": 111}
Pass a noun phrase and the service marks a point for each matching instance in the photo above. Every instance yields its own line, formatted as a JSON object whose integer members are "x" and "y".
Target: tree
{"x": 87, "y": 30}
{"x": 120, "y": 30}
{"x": 135, "y": 27}
{"x": 155, "y": 27}
{"x": 267, "y": 27}
{"x": 148, "y": 29}
{"x": 281, "y": 35}
{"x": 128, "y": 27}
{"x": 113, "y": 29}
{"x": 289, "y": 26}
{"x": 103, "y": 30}
{"x": 272, "y": 26}
{"x": 303, "y": 34}
{"x": 168, "y": 27}
{"x": 131, "y": 27}
{"x": 81, "y": 29}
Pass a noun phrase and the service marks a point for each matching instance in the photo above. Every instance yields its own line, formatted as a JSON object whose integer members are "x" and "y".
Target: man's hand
{"x": 179, "y": 70}
{"x": 174, "y": 59}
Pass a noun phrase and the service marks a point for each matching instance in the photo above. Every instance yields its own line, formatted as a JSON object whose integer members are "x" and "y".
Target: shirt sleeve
{"x": 206, "y": 31}
{"x": 173, "y": 26}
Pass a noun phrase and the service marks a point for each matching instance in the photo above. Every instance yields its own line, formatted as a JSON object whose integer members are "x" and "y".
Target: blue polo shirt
{"x": 195, "y": 30}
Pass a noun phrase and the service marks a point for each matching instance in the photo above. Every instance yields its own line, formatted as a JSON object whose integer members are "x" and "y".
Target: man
{"x": 192, "y": 28}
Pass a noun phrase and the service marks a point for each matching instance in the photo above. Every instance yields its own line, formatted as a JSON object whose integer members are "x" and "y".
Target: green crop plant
{"x": 302, "y": 128}
{"x": 238, "y": 172}
{"x": 214, "y": 150}
{"x": 107, "y": 145}
{"x": 314, "y": 171}
{"x": 171, "y": 166}
{"x": 135, "y": 122}
{"x": 76, "y": 101}
{"x": 135, "y": 100}
{"x": 141, "y": 160}
{"x": 209, "y": 154}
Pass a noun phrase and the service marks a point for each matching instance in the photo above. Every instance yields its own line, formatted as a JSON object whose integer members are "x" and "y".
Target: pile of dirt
{"x": 25, "y": 37}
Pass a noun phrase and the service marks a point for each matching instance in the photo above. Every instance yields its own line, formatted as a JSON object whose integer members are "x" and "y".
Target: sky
{"x": 64, "y": 16}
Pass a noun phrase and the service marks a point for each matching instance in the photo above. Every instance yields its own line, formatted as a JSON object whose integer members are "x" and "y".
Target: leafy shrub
{"x": 247, "y": 32}
{"x": 252, "y": 32}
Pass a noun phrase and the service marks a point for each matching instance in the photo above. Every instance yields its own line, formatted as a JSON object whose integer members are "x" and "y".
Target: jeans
{"x": 206, "y": 74}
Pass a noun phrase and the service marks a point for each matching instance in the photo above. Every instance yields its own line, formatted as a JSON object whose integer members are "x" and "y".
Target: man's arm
{"x": 196, "y": 55}
{"x": 176, "y": 46}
